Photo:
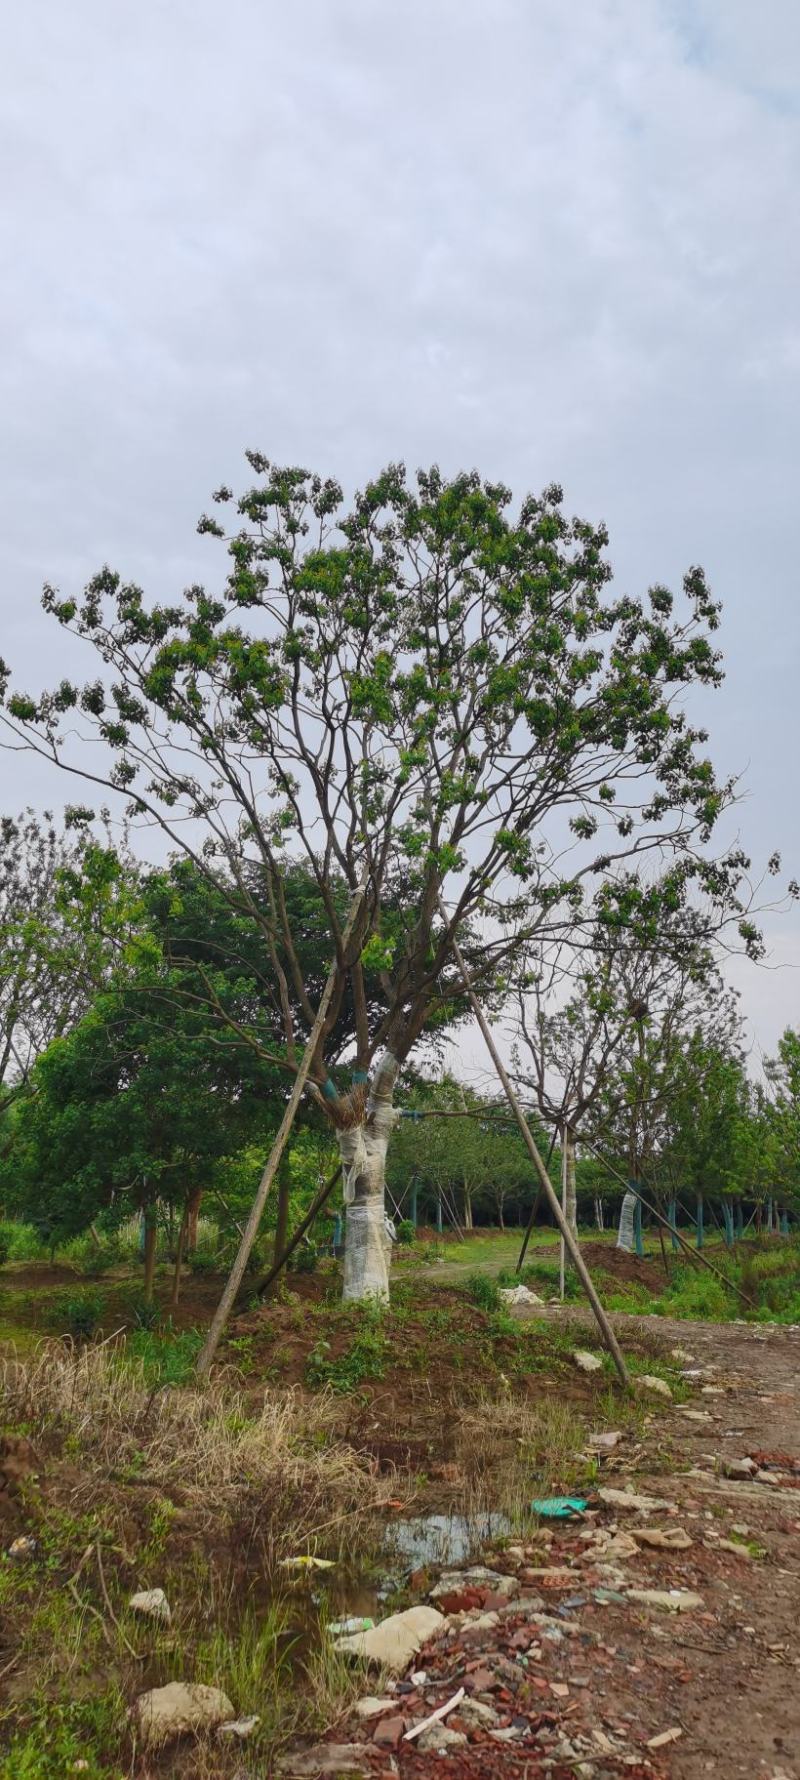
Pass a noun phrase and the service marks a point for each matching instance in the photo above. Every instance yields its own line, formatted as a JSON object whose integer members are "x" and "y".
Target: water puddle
{"x": 442, "y": 1539}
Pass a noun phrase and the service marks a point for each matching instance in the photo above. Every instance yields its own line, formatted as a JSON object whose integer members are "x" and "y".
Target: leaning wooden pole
{"x": 236, "y": 1274}
{"x": 570, "y": 1240}
{"x": 305, "y": 1224}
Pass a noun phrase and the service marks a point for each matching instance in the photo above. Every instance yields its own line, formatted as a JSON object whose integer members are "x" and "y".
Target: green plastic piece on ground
{"x": 559, "y": 1507}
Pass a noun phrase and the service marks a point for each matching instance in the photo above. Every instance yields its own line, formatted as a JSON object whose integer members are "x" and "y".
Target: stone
{"x": 152, "y": 1603}
{"x": 658, "y": 1387}
{"x": 630, "y": 1503}
{"x": 662, "y": 1538}
{"x": 441, "y": 1737}
{"x": 21, "y": 1550}
{"x": 481, "y": 1680}
{"x": 604, "y": 1442}
{"x": 737, "y": 1468}
{"x": 371, "y": 1707}
{"x": 673, "y": 1600}
{"x": 182, "y": 1708}
{"x": 519, "y": 1295}
{"x": 394, "y": 1643}
{"x": 476, "y": 1577}
{"x": 326, "y": 1758}
{"x": 619, "y": 1548}
{"x": 665, "y": 1737}
{"x": 475, "y": 1714}
{"x": 587, "y": 1362}
{"x": 389, "y": 1733}
{"x": 241, "y": 1728}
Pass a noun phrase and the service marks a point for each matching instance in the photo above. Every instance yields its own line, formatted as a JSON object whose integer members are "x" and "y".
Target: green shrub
{"x": 83, "y": 1313}
{"x": 405, "y": 1232}
{"x": 201, "y": 1263}
{"x": 22, "y": 1241}
{"x": 93, "y": 1258}
{"x": 484, "y": 1291}
{"x": 5, "y": 1247}
{"x": 305, "y": 1258}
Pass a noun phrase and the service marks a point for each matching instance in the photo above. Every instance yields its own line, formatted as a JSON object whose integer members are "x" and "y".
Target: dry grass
{"x": 512, "y": 1450}
{"x": 281, "y": 1458}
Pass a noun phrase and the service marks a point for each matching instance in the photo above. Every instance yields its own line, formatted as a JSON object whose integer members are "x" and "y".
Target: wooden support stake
{"x": 236, "y": 1274}
{"x": 537, "y": 1159}
{"x": 316, "y": 1205}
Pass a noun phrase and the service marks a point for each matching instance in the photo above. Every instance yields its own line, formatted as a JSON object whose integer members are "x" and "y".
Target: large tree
{"x": 427, "y": 691}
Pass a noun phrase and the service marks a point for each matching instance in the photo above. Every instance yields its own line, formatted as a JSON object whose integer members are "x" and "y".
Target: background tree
{"x": 62, "y": 898}
{"x": 425, "y": 688}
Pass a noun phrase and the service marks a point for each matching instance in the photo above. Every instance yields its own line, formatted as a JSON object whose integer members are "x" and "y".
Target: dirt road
{"x": 739, "y": 1707}
{"x": 586, "y": 1669}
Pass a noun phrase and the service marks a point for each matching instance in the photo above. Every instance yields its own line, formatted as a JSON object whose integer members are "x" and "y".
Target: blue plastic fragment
{"x": 559, "y": 1507}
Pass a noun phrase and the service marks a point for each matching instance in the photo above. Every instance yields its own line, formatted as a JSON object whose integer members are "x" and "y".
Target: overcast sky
{"x": 553, "y": 241}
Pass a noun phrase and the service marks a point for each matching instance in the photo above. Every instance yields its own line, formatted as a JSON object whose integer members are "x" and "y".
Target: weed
{"x": 66, "y": 1735}
{"x": 365, "y": 1358}
{"x": 166, "y": 1357}
{"x": 484, "y": 1291}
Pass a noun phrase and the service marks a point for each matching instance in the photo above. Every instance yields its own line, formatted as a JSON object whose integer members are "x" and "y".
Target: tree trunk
{"x": 363, "y": 1150}
{"x": 468, "y": 1225}
{"x": 571, "y": 1195}
{"x": 193, "y": 1214}
{"x": 179, "y": 1254}
{"x": 282, "y": 1212}
{"x": 150, "y": 1234}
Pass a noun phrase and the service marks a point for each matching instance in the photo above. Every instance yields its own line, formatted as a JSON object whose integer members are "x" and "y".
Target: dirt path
{"x": 580, "y": 1674}
{"x": 739, "y": 1707}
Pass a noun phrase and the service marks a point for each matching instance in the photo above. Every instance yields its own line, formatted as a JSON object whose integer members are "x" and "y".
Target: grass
{"x": 147, "y": 1483}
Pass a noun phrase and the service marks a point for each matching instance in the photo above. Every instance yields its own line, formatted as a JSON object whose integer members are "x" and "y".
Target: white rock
{"x": 658, "y": 1387}
{"x": 440, "y": 1736}
{"x": 519, "y": 1295}
{"x": 371, "y": 1706}
{"x": 394, "y": 1643}
{"x": 477, "y": 1713}
{"x": 152, "y": 1603}
{"x": 662, "y": 1538}
{"x": 619, "y": 1548}
{"x": 180, "y": 1708}
{"x": 630, "y": 1503}
{"x": 673, "y": 1600}
{"x": 242, "y": 1728}
{"x": 586, "y": 1361}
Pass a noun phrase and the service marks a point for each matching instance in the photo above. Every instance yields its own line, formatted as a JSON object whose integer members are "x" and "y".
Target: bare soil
{"x": 723, "y": 1675}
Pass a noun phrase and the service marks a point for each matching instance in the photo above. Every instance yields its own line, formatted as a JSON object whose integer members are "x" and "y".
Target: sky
{"x": 553, "y": 242}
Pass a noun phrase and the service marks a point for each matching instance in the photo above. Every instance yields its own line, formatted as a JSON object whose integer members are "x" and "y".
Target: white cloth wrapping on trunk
{"x": 625, "y": 1234}
{"x": 366, "y": 1243}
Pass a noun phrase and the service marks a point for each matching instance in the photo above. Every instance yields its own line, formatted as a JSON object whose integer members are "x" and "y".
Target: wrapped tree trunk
{"x": 363, "y": 1149}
